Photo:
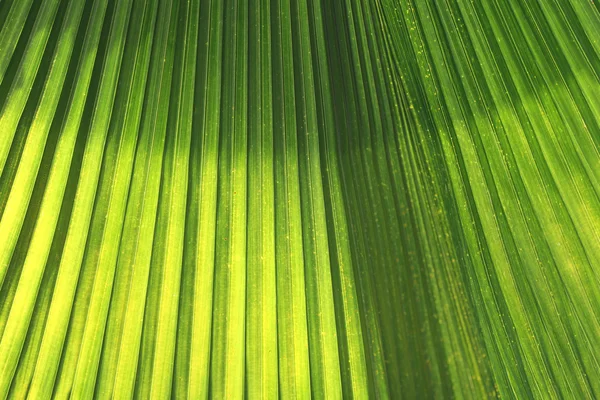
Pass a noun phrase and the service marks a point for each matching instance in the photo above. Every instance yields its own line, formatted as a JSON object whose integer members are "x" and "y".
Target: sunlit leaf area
{"x": 262, "y": 199}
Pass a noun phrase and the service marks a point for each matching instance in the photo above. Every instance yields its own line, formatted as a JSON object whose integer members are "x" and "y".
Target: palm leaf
{"x": 299, "y": 198}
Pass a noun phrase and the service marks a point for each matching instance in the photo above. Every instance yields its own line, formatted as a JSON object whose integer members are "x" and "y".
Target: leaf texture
{"x": 299, "y": 198}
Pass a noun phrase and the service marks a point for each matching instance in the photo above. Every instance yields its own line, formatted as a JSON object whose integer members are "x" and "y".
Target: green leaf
{"x": 299, "y": 198}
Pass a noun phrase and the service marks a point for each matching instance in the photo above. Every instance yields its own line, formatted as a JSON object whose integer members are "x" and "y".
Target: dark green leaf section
{"x": 299, "y": 198}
